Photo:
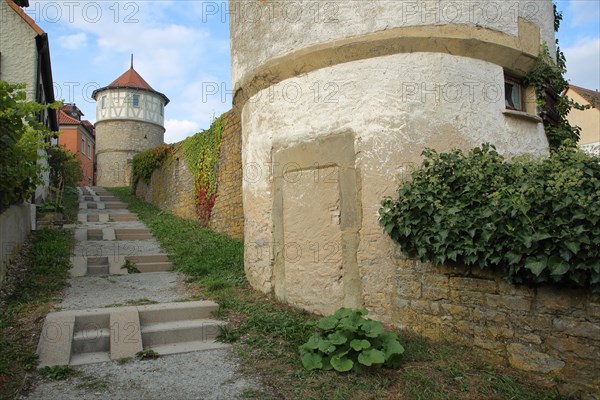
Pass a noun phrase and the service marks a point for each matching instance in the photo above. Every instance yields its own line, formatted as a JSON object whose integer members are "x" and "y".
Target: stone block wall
{"x": 15, "y": 225}
{"x": 228, "y": 213}
{"x": 545, "y": 329}
{"x": 172, "y": 185}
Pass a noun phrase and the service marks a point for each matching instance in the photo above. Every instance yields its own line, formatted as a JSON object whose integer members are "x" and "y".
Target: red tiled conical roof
{"x": 131, "y": 79}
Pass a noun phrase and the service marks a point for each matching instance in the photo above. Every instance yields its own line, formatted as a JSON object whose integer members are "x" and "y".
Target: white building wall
{"x": 18, "y": 62}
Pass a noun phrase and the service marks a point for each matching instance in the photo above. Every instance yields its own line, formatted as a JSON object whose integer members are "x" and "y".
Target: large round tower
{"x": 129, "y": 119}
{"x": 338, "y": 98}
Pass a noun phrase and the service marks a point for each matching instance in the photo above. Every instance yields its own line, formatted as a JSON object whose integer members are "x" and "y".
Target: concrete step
{"x": 159, "y": 313}
{"x": 148, "y": 259}
{"x": 89, "y": 358}
{"x": 199, "y": 330}
{"x": 115, "y": 206}
{"x": 93, "y": 218}
{"x": 121, "y": 217}
{"x": 187, "y": 347}
{"x": 91, "y": 341}
{"x": 91, "y": 261}
{"x": 154, "y": 267}
{"x": 94, "y": 234}
{"x": 98, "y": 270}
{"x": 133, "y": 234}
{"x": 91, "y": 205}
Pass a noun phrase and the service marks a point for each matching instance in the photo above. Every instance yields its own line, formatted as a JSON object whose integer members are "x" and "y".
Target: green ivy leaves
{"x": 346, "y": 340}
{"x": 537, "y": 220}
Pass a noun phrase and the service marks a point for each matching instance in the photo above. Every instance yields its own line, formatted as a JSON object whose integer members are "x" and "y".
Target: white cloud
{"x": 584, "y": 11}
{"x": 583, "y": 63}
{"x": 73, "y": 42}
{"x": 177, "y": 130}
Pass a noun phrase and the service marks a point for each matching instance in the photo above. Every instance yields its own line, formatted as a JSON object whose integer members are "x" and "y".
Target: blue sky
{"x": 181, "y": 48}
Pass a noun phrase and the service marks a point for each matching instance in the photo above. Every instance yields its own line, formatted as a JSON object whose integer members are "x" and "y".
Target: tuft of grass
{"x": 140, "y": 302}
{"x": 58, "y": 372}
{"x": 41, "y": 271}
{"x": 270, "y": 333}
{"x": 70, "y": 205}
{"x": 147, "y": 354}
{"x": 130, "y": 267}
{"x": 227, "y": 335}
{"x": 92, "y": 383}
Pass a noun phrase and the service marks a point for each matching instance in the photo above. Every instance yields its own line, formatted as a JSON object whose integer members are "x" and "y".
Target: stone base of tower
{"x": 114, "y": 169}
{"x": 117, "y": 141}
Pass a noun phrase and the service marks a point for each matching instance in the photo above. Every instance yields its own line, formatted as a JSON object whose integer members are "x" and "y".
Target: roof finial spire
{"x": 131, "y": 60}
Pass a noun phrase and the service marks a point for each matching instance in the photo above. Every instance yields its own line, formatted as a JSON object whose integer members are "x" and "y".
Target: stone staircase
{"x": 101, "y": 335}
{"x": 107, "y": 238}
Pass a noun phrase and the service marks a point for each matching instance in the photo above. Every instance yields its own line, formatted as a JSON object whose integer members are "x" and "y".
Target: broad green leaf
{"x": 326, "y": 346}
{"x": 358, "y": 344}
{"x": 313, "y": 342}
{"x": 337, "y": 338}
{"x": 536, "y": 266}
{"x": 557, "y": 266}
{"x": 327, "y": 323}
{"x": 341, "y": 364}
{"x": 372, "y": 328}
{"x": 371, "y": 356}
{"x": 312, "y": 361}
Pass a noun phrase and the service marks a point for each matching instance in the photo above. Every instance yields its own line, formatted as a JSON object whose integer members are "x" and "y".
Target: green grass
{"x": 46, "y": 261}
{"x": 217, "y": 261}
{"x": 265, "y": 334}
{"x": 70, "y": 205}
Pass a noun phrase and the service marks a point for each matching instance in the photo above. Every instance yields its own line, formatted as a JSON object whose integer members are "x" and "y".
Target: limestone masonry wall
{"x": 545, "y": 330}
{"x": 15, "y": 225}
{"x": 172, "y": 185}
{"x": 228, "y": 213}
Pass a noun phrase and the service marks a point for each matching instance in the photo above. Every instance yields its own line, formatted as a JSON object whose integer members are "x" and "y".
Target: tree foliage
{"x": 22, "y": 144}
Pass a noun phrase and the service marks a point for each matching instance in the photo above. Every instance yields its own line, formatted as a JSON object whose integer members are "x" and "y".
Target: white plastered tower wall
{"x": 339, "y": 100}
{"x": 129, "y": 120}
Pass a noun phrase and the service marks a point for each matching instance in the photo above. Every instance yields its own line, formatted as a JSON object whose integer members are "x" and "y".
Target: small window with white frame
{"x": 136, "y": 100}
{"x": 83, "y": 145}
{"x": 162, "y": 109}
{"x": 89, "y": 150}
{"x": 103, "y": 102}
{"x": 514, "y": 94}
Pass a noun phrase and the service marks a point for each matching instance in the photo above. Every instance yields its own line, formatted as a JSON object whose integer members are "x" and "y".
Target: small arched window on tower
{"x": 136, "y": 100}
{"x": 103, "y": 101}
{"x": 162, "y": 109}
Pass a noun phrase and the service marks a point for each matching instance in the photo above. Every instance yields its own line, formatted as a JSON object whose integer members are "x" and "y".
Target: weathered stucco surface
{"x": 306, "y": 23}
{"x": 18, "y": 50}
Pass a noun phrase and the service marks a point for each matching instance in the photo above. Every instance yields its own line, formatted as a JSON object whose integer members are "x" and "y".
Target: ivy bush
{"x": 536, "y": 220}
{"x": 146, "y": 162}
{"x": 346, "y": 341}
{"x": 22, "y": 144}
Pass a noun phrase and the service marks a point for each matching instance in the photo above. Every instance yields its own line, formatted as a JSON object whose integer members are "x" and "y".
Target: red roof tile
{"x": 25, "y": 17}
{"x": 65, "y": 119}
{"x": 593, "y": 96}
{"x": 131, "y": 79}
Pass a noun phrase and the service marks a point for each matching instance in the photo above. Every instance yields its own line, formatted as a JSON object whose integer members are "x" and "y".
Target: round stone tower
{"x": 129, "y": 119}
{"x": 339, "y": 98}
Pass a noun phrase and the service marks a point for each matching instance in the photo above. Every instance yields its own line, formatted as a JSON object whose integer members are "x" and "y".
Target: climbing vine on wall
{"x": 201, "y": 153}
{"x": 146, "y": 162}
{"x": 547, "y": 78}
